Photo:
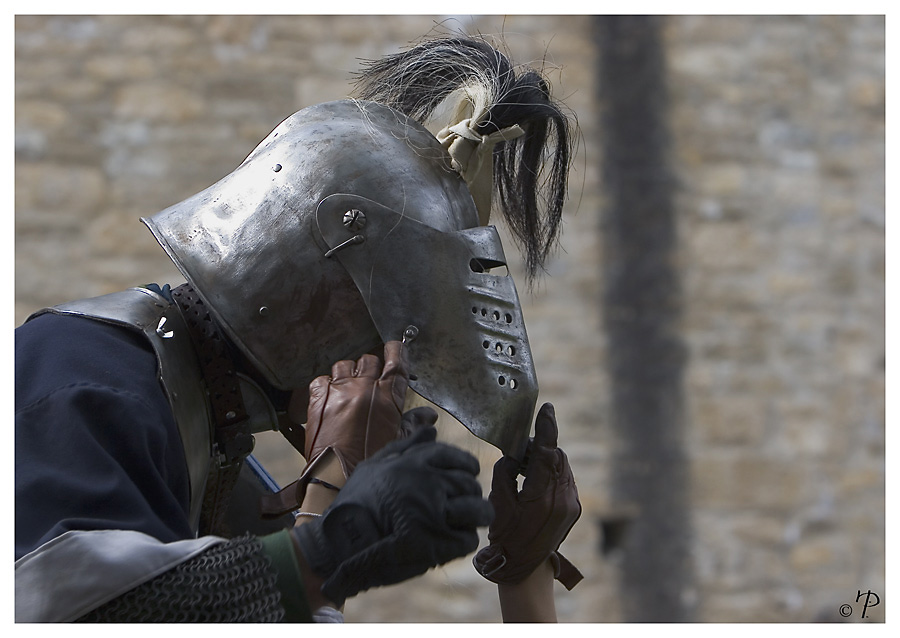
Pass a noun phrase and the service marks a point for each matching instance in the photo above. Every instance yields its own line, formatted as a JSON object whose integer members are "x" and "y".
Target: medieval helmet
{"x": 351, "y": 224}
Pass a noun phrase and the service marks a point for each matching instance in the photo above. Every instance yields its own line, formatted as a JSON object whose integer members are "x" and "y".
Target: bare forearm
{"x": 318, "y": 497}
{"x": 532, "y": 599}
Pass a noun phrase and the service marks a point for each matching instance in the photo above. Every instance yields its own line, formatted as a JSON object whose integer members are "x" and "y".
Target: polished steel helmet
{"x": 348, "y": 227}
{"x": 351, "y": 225}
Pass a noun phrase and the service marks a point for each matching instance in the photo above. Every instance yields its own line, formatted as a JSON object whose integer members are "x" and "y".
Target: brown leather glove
{"x": 357, "y": 410}
{"x": 529, "y": 526}
{"x": 353, "y": 413}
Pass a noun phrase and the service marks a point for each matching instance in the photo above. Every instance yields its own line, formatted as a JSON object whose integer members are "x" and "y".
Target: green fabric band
{"x": 279, "y": 547}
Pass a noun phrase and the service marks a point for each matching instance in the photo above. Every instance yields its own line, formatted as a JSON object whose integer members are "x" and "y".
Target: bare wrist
{"x": 319, "y": 496}
{"x": 530, "y": 600}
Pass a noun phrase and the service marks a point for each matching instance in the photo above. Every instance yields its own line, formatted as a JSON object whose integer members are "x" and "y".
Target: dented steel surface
{"x": 248, "y": 245}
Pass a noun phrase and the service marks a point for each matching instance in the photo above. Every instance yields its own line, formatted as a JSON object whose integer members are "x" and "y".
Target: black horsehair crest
{"x": 531, "y": 171}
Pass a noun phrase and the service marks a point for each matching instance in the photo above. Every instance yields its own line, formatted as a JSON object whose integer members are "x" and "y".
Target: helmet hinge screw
{"x": 354, "y": 219}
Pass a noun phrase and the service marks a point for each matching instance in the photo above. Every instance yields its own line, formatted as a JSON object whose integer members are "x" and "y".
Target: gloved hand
{"x": 352, "y": 414}
{"x": 415, "y": 419}
{"x": 357, "y": 410}
{"x": 530, "y": 525}
{"x": 413, "y": 506}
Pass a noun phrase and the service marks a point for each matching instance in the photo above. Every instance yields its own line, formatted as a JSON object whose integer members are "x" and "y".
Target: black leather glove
{"x": 415, "y": 419}
{"x": 412, "y": 506}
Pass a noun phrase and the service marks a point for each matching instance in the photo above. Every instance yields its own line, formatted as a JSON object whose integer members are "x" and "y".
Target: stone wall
{"x": 780, "y": 151}
{"x": 777, "y": 127}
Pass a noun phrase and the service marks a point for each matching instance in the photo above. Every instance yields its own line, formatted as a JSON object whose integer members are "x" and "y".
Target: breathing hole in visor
{"x": 509, "y": 350}
{"x": 495, "y": 314}
{"x": 488, "y": 266}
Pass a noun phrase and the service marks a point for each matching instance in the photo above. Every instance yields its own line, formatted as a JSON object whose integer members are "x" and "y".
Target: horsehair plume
{"x": 529, "y": 193}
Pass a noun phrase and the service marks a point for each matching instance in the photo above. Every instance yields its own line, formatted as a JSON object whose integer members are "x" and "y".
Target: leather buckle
{"x": 493, "y": 565}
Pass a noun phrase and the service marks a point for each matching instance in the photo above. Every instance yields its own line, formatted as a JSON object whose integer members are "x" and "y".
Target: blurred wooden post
{"x": 642, "y": 311}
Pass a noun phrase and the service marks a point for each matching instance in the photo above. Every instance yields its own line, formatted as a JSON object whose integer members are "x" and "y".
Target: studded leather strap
{"x": 232, "y": 439}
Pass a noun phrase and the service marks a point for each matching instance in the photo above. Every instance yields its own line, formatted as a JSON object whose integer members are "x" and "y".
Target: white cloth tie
{"x": 471, "y": 153}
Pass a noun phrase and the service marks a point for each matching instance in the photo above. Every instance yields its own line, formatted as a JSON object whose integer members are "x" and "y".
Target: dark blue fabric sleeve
{"x": 96, "y": 445}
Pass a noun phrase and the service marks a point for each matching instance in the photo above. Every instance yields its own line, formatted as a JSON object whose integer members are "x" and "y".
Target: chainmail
{"x": 229, "y": 582}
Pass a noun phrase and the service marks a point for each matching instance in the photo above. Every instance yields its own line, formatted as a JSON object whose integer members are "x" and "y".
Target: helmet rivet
{"x": 355, "y": 219}
{"x": 276, "y": 168}
{"x": 410, "y": 333}
{"x": 263, "y": 311}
